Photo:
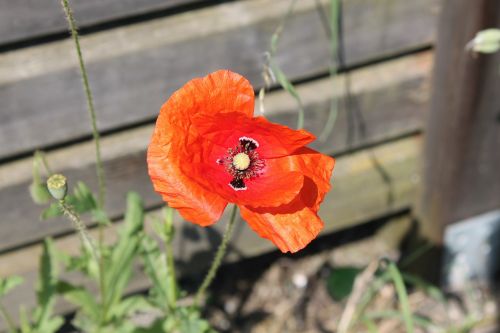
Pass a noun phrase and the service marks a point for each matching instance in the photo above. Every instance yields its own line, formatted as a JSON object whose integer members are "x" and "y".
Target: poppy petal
{"x": 269, "y": 190}
{"x": 219, "y": 92}
{"x": 292, "y": 226}
{"x": 274, "y": 140}
{"x": 317, "y": 169}
{"x": 193, "y": 202}
{"x": 289, "y": 232}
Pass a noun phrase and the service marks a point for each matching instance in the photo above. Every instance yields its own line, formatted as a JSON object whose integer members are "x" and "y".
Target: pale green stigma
{"x": 241, "y": 161}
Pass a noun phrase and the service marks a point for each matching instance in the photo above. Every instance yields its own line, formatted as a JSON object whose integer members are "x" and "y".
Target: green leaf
{"x": 156, "y": 269}
{"x": 156, "y": 327}
{"x": 84, "y": 263}
{"x": 24, "y": 322}
{"x": 51, "y": 325}
{"x": 340, "y": 281}
{"x": 39, "y": 193}
{"x": 123, "y": 253}
{"x": 80, "y": 297}
{"x": 402, "y": 295}
{"x": 38, "y": 189}
{"x": 82, "y": 200}
{"x": 101, "y": 217}
{"x": 9, "y": 283}
{"x": 164, "y": 227}
{"x": 426, "y": 287}
{"x": 52, "y": 211}
{"x": 191, "y": 322}
{"x": 130, "y": 306}
{"x": 47, "y": 281}
{"x": 134, "y": 216}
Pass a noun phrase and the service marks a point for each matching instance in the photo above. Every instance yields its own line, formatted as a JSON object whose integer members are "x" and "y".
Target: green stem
{"x": 99, "y": 167}
{"x": 8, "y": 319}
{"x": 90, "y": 101}
{"x": 87, "y": 239}
{"x": 79, "y": 226}
{"x": 172, "y": 288}
{"x": 333, "y": 67}
{"x": 102, "y": 278}
{"x": 218, "y": 257}
{"x": 40, "y": 157}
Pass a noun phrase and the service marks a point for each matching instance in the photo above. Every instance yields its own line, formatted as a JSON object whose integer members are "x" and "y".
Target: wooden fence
{"x": 139, "y": 52}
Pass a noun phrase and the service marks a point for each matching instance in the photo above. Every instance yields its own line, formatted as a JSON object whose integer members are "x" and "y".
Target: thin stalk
{"x": 8, "y": 319}
{"x": 171, "y": 282}
{"x": 41, "y": 157}
{"x": 95, "y": 133}
{"x": 79, "y": 226}
{"x": 172, "y": 288}
{"x": 333, "y": 27}
{"x": 273, "y": 72}
{"x": 86, "y": 239}
{"x": 218, "y": 257}
{"x": 90, "y": 101}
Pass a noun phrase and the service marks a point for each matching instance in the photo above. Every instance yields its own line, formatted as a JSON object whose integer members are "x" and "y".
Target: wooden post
{"x": 461, "y": 171}
{"x": 461, "y": 158}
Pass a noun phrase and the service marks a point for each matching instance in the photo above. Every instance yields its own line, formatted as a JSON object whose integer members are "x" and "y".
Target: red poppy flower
{"x": 208, "y": 150}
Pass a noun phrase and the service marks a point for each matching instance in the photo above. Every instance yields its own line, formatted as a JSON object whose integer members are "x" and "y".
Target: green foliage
{"x": 41, "y": 318}
{"x": 119, "y": 263}
{"x": 38, "y": 189}
{"x": 111, "y": 311}
{"x": 340, "y": 281}
{"x": 155, "y": 268}
{"x": 111, "y": 270}
{"x": 82, "y": 201}
{"x": 402, "y": 295}
{"x": 9, "y": 283}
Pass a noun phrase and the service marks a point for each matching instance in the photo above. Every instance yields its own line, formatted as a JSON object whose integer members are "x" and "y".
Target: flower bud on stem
{"x": 57, "y": 186}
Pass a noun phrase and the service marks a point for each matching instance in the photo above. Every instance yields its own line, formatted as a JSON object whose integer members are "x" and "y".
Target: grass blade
{"x": 402, "y": 295}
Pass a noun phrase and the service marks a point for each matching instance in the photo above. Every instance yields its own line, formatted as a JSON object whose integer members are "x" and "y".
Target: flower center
{"x": 241, "y": 161}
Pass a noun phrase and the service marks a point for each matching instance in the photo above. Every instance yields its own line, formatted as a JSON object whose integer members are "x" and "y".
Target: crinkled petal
{"x": 293, "y": 225}
{"x": 289, "y": 232}
{"x": 219, "y": 92}
{"x": 173, "y": 138}
{"x": 274, "y": 140}
{"x": 273, "y": 188}
{"x": 194, "y": 203}
{"x": 317, "y": 170}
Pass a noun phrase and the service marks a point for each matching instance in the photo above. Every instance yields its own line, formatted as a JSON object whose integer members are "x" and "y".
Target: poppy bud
{"x": 57, "y": 186}
{"x": 486, "y": 41}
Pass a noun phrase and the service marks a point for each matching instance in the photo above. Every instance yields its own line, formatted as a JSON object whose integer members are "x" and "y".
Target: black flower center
{"x": 242, "y": 162}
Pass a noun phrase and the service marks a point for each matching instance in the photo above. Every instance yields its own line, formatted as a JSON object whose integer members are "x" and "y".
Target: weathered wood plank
{"x": 358, "y": 194}
{"x": 392, "y": 97}
{"x": 25, "y": 19}
{"x": 133, "y": 69}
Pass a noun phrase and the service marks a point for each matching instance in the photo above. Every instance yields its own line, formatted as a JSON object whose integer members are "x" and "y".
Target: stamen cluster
{"x": 248, "y": 147}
